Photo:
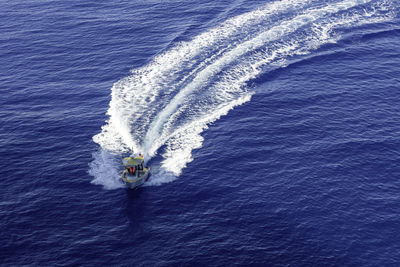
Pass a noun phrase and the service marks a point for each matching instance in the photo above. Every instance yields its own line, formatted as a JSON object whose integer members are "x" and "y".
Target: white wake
{"x": 164, "y": 107}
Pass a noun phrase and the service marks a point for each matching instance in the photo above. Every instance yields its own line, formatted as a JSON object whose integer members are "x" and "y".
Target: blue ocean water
{"x": 271, "y": 129}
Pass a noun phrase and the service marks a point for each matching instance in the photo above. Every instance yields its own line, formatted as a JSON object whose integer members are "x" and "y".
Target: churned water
{"x": 271, "y": 129}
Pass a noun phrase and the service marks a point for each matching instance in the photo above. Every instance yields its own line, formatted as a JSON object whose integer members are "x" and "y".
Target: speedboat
{"x": 134, "y": 175}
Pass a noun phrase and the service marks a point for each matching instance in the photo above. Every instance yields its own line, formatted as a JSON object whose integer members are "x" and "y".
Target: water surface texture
{"x": 271, "y": 129}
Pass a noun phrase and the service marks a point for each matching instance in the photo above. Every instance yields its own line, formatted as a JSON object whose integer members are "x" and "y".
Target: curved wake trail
{"x": 169, "y": 102}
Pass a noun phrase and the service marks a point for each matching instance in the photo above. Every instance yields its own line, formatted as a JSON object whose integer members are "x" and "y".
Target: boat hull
{"x": 134, "y": 181}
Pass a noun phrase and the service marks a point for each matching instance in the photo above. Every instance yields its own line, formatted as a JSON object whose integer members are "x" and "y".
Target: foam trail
{"x": 204, "y": 75}
{"x": 164, "y": 75}
{"x": 105, "y": 169}
{"x": 170, "y": 102}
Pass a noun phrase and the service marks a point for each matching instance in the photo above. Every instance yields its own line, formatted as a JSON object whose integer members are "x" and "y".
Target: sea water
{"x": 271, "y": 129}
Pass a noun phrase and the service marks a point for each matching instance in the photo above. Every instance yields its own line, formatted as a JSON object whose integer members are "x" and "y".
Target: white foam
{"x": 105, "y": 169}
{"x": 170, "y": 102}
{"x": 151, "y": 144}
{"x": 183, "y": 140}
{"x": 164, "y": 75}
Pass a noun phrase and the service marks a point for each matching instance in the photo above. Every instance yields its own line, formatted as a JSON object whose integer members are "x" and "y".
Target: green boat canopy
{"x": 132, "y": 162}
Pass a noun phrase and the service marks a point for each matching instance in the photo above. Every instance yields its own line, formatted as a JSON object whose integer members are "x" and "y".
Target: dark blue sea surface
{"x": 272, "y": 130}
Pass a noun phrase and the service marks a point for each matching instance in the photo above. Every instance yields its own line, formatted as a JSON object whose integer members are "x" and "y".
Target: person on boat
{"x": 131, "y": 170}
{"x": 140, "y": 166}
